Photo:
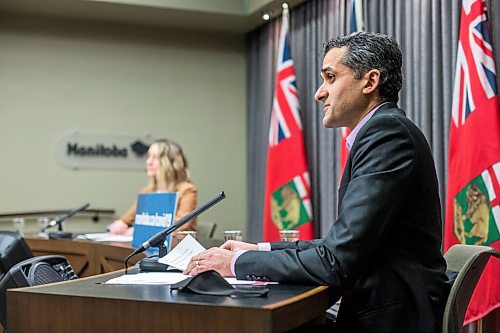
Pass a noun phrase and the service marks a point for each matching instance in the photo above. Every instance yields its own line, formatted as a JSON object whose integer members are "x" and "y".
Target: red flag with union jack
{"x": 356, "y": 24}
{"x": 287, "y": 198}
{"x": 473, "y": 194}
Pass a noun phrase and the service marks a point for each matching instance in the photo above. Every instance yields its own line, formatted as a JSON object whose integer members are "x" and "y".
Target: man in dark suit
{"x": 383, "y": 253}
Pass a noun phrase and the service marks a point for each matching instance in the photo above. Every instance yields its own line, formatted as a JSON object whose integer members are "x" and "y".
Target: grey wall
{"x": 59, "y": 76}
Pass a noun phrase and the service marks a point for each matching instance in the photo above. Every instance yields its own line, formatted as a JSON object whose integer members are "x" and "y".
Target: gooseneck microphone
{"x": 60, "y": 234}
{"x": 159, "y": 238}
{"x": 58, "y": 220}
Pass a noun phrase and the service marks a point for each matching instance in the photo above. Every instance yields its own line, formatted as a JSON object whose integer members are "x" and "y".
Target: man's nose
{"x": 320, "y": 94}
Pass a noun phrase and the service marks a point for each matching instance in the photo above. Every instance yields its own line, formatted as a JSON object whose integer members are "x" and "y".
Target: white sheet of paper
{"x": 179, "y": 258}
{"x": 106, "y": 237}
{"x": 181, "y": 254}
{"x": 167, "y": 278}
{"x": 149, "y": 278}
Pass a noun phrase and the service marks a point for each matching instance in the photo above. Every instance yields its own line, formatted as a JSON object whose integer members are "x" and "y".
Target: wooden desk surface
{"x": 88, "y": 305}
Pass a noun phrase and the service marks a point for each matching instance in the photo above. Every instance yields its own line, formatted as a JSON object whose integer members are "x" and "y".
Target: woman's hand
{"x": 118, "y": 228}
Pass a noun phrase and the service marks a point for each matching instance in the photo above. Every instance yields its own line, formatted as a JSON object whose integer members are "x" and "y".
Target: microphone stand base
{"x": 152, "y": 265}
{"x": 60, "y": 235}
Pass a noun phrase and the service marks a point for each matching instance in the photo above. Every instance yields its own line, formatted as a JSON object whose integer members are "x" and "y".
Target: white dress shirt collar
{"x": 352, "y": 136}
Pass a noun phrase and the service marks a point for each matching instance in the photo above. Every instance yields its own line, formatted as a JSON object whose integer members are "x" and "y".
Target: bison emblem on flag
{"x": 477, "y": 209}
{"x": 290, "y": 208}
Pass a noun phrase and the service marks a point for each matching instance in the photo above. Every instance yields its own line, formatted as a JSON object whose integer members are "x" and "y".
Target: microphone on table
{"x": 59, "y": 220}
{"x": 158, "y": 240}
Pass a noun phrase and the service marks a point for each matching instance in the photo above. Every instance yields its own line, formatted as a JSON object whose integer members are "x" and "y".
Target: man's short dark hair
{"x": 369, "y": 50}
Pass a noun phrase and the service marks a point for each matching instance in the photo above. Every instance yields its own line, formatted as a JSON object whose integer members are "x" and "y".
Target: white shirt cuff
{"x": 264, "y": 246}
{"x": 234, "y": 258}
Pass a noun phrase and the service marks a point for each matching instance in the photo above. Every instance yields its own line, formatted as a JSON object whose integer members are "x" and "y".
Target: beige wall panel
{"x": 59, "y": 76}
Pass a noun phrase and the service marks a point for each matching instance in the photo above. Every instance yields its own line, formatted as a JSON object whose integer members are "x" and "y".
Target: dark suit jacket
{"x": 383, "y": 253}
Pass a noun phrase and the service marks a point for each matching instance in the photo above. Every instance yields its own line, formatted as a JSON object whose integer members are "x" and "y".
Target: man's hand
{"x": 216, "y": 259}
{"x": 233, "y": 245}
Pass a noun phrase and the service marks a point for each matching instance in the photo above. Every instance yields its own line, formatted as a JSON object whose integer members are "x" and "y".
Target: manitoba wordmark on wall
{"x": 79, "y": 150}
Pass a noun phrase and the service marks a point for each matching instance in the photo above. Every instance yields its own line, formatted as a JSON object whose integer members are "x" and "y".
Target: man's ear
{"x": 372, "y": 81}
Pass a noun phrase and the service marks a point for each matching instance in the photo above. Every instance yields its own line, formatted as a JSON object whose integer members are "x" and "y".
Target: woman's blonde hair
{"x": 173, "y": 165}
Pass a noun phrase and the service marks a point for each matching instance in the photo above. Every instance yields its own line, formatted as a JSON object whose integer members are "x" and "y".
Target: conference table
{"x": 89, "y": 305}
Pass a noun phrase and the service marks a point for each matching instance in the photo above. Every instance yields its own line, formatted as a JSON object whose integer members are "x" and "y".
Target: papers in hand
{"x": 180, "y": 256}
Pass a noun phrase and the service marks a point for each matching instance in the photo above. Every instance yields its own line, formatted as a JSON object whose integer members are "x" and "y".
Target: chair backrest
{"x": 469, "y": 261}
{"x": 13, "y": 249}
{"x": 205, "y": 229}
{"x": 34, "y": 271}
{"x": 205, "y": 235}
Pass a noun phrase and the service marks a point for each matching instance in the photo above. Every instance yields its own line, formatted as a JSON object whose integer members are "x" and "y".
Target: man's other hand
{"x": 216, "y": 259}
{"x": 233, "y": 245}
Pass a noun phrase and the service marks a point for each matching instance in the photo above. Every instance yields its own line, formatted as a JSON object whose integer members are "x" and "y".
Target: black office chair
{"x": 13, "y": 250}
{"x": 205, "y": 235}
{"x": 469, "y": 262}
{"x": 33, "y": 271}
{"x": 206, "y": 229}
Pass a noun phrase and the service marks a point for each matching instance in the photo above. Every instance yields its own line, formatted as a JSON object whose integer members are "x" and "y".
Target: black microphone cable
{"x": 126, "y": 261}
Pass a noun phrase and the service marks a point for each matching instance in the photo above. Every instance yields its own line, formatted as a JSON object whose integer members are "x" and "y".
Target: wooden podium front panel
{"x": 87, "y": 258}
{"x": 79, "y": 254}
{"x": 88, "y": 305}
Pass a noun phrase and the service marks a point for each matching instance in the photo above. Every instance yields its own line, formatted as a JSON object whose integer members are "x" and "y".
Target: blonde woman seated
{"x": 167, "y": 167}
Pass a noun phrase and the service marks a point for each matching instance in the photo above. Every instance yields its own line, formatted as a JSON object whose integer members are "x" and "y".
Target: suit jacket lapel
{"x": 346, "y": 176}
